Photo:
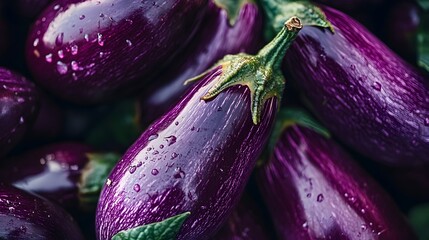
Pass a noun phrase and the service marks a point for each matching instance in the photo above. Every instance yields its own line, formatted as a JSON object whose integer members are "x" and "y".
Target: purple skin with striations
{"x": 197, "y": 158}
{"x": 89, "y": 51}
{"x": 362, "y": 92}
{"x": 315, "y": 191}
{"x": 211, "y": 42}
{"x": 27, "y": 216}
{"x": 18, "y": 108}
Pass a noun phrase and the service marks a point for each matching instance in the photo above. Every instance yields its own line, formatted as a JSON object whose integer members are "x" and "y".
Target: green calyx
{"x": 164, "y": 230}
{"x": 423, "y": 38}
{"x": 260, "y": 73}
{"x": 232, "y": 7}
{"x": 93, "y": 178}
{"x": 277, "y": 11}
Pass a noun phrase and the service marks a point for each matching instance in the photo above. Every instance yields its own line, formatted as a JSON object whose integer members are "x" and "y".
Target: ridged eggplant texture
{"x": 18, "y": 108}
{"x": 26, "y": 216}
{"x": 362, "y": 92}
{"x": 195, "y": 158}
{"x": 315, "y": 191}
{"x": 89, "y": 51}
{"x": 216, "y": 39}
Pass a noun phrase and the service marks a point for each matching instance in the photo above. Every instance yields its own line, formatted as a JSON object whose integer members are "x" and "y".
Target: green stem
{"x": 232, "y": 7}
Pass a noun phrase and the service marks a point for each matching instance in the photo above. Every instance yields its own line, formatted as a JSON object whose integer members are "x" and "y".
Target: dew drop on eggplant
{"x": 62, "y": 67}
{"x": 154, "y": 171}
{"x": 136, "y": 187}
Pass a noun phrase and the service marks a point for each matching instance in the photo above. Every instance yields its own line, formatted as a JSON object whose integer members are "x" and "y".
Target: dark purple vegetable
{"x": 192, "y": 164}
{"x": 18, "y": 108}
{"x": 246, "y": 222}
{"x": 315, "y": 191}
{"x": 71, "y": 174}
{"x": 27, "y": 216}
{"x": 364, "y": 93}
{"x": 216, "y": 39}
{"x": 350, "y": 5}
{"x": 92, "y": 51}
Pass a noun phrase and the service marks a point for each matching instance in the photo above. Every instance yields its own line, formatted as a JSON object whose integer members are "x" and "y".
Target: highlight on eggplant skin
{"x": 195, "y": 158}
{"x": 27, "y": 216}
{"x": 314, "y": 190}
{"x": 19, "y": 104}
{"x": 362, "y": 92}
{"x": 109, "y": 48}
{"x": 213, "y": 41}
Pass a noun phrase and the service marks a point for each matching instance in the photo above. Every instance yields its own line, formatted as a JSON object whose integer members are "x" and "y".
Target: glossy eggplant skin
{"x": 314, "y": 190}
{"x": 52, "y": 171}
{"x": 18, "y": 108}
{"x": 197, "y": 158}
{"x": 89, "y": 51}
{"x": 362, "y": 92}
{"x": 27, "y": 216}
{"x": 213, "y": 41}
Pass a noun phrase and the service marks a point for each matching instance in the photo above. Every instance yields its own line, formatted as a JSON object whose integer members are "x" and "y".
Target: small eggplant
{"x": 186, "y": 172}
{"x": 68, "y": 173}
{"x": 27, "y": 216}
{"x": 89, "y": 51}
{"x": 314, "y": 190}
{"x": 18, "y": 108}
{"x": 216, "y": 39}
{"x": 366, "y": 95}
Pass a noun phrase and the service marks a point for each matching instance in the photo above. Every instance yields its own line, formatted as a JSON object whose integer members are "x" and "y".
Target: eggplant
{"x": 88, "y": 51}
{"x": 186, "y": 172}
{"x": 314, "y": 190}
{"x": 18, "y": 108}
{"x": 247, "y": 221}
{"x": 366, "y": 95}
{"x": 68, "y": 173}
{"x": 216, "y": 39}
{"x": 27, "y": 216}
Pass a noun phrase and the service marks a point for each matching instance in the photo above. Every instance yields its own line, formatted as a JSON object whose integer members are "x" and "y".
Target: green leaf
{"x": 424, "y": 4}
{"x": 423, "y": 41}
{"x": 165, "y": 230}
{"x": 278, "y": 11}
{"x": 93, "y": 177}
{"x": 232, "y": 7}
{"x": 419, "y": 219}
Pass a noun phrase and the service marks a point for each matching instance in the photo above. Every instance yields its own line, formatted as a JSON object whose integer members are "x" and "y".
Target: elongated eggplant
{"x": 216, "y": 39}
{"x": 363, "y": 92}
{"x": 89, "y": 51}
{"x": 18, "y": 108}
{"x": 187, "y": 170}
{"x": 69, "y": 173}
{"x": 246, "y": 222}
{"x": 27, "y": 216}
{"x": 314, "y": 190}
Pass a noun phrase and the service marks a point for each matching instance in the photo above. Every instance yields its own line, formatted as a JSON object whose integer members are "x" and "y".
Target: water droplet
{"x": 108, "y": 182}
{"x": 11, "y": 209}
{"x": 139, "y": 164}
{"x": 100, "y": 39}
{"x": 171, "y": 140}
{"x": 155, "y": 152}
{"x": 148, "y": 149}
{"x": 376, "y": 86}
{"x": 129, "y": 43}
{"x": 154, "y": 172}
{"x": 308, "y": 195}
{"x": 59, "y": 39}
{"x": 426, "y": 121}
{"x": 136, "y": 188}
{"x": 61, "y": 54}
{"x": 21, "y": 120}
{"x": 74, "y": 65}
{"x": 362, "y": 210}
{"x": 176, "y": 123}
{"x": 203, "y": 207}
{"x": 48, "y": 58}
{"x": 62, "y": 67}
{"x": 74, "y": 49}
{"x": 36, "y": 42}
{"x": 152, "y": 137}
{"x": 101, "y": 15}
{"x": 179, "y": 173}
{"x": 363, "y": 227}
{"x": 219, "y": 109}
{"x": 86, "y": 37}
{"x": 320, "y": 198}
{"x": 305, "y": 225}
{"x": 161, "y": 146}
{"x": 174, "y": 155}
{"x": 132, "y": 169}
{"x": 56, "y": 7}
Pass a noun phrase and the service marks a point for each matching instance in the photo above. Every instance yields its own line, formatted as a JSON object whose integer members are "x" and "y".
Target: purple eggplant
{"x": 71, "y": 174}
{"x": 366, "y": 95}
{"x": 246, "y": 222}
{"x": 27, "y": 216}
{"x": 216, "y": 39}
{"x": 92, "y": 51}
{"x": 314, "y": 190}
{"x": 187, "y": 170}
{"x": 18, "y": 108}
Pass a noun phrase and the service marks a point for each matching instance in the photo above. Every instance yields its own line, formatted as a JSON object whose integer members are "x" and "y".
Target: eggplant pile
{"x": 214, "y": 119}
